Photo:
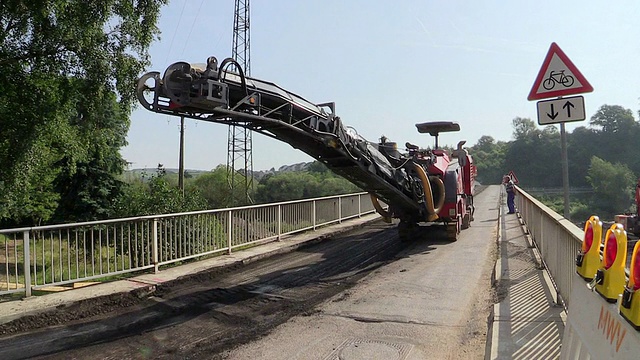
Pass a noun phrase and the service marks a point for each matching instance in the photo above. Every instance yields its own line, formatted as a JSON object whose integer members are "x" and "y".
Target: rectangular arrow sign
{"x": 561, "y": 110}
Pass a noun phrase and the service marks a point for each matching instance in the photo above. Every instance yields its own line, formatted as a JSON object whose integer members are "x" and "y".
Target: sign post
{"x": 558, "y": 77}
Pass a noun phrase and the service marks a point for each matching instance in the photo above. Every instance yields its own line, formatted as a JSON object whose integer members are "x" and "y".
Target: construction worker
{"x": 510, "y": 187}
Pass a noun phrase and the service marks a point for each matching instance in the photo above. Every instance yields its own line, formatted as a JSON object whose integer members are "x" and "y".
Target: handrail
{"x": 53, "y": 255}
{"x": 557, "y": 239}
{"x": 159, "y": 216}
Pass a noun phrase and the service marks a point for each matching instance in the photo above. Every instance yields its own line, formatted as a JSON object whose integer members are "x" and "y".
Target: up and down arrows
{"x": 561, "y": 110}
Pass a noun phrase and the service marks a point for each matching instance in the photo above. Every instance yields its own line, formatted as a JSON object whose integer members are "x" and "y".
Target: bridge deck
{"x": 525, "y": 324}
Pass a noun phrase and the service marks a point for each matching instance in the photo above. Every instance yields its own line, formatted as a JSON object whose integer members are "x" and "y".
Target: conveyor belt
{"x": 211, "y": 93}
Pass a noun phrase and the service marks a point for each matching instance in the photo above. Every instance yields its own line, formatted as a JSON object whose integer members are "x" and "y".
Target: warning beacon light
{"x": 588, "y": 259}
{"x": 610, "y": 277}
{"x": 630, "y": 304}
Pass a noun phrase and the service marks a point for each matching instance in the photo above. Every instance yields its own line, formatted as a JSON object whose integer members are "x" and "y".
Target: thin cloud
{"x": 424, "y": 28}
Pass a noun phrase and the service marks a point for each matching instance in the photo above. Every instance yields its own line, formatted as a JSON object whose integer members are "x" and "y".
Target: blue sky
{"x": 391, "y": 64}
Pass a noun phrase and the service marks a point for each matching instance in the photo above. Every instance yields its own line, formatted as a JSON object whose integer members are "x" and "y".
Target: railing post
{"x": 27, "y": 263}
{"x": 229, "y": 237}
{"x": 279, "y": 221}
{"x": 543, "y": 235}
{"x": 154, "y": 244}
{"x": 560, "y": 256}
{"x": 313, "y": 211}
{"x": 359, "y": 205}
{"x": 340, "y": 210}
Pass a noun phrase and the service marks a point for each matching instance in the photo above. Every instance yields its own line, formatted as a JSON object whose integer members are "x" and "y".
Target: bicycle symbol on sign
{"x": 557, "y": 78}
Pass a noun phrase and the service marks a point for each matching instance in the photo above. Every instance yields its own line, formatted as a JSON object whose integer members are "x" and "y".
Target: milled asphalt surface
{"x": 384, "y": 324}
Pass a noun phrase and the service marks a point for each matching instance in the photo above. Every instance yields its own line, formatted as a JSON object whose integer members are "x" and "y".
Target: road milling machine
{"x": 418, "y": 186}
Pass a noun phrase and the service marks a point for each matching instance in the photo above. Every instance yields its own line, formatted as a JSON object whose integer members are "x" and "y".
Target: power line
{"x": 193, "y": 23}
{"x": 184, "y": 4}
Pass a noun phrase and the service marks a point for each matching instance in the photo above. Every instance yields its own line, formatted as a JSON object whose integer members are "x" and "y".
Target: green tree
{"x": 157, "y": 196}
{"x": 581, "y": 147}
{"x": 63, "y": 64}
{"x": 489, "y": 156}
{"x": 286, "y": 186}
{"x": 611, "y": 136}
{"x": 612, "y": 187}
{"x": 318, "y": 167}
{"x": 214, "y": 187}
{"x": 486, "y": 143}
{"x": 295, "y": 185}
{"x": 89, "y": 184}
{"x": 534, "y": 155}
{"x": 613, "y": 119}
{"x": 524, "y": 128}
{"x": 618, "y": 134}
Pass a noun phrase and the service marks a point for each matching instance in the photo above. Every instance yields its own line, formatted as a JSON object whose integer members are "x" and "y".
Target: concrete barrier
{"x": 595, "y": 329}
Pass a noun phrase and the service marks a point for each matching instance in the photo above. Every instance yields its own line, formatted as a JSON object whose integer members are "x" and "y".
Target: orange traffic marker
{"x": 588, "y": 259}
{"x": 610, "y": 277}
{"x": 630, "y": 304}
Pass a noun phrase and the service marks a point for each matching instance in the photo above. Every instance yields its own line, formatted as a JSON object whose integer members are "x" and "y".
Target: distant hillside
{"x": 284, "y": 168}
{"x": 150, "y": 171}
{"x": 259, "y": 174}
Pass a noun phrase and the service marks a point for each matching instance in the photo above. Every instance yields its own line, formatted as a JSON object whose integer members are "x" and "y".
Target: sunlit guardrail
{"x": 56, "y": 255}
{"x": 557, "y": 239}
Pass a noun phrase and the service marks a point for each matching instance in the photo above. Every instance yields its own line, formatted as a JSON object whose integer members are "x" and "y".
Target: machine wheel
{"x": 406, "y": 231}
{"x": 466, "y": 221}
{"x": 453, "y": 230}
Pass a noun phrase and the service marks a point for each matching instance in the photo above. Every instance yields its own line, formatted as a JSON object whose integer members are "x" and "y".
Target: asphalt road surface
{"x": 362, "y": 295}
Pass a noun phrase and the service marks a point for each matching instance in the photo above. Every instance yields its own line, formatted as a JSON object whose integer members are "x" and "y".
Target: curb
{"x": 491, "y": 348}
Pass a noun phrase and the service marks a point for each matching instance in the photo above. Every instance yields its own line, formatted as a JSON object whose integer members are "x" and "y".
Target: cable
{"x": 193, "y": 23}
{"x": 175, "y": 31}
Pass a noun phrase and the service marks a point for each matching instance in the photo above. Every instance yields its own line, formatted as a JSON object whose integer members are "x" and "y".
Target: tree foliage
{"x": 612, "y": 187}
{"x": 612, "y": 136}
{"x": 612, "y": 119}
{"x": 524, "y": 129}
{"x": 489, "y": 158}
{"x": 214, "y": 187}
{"x": 316, "y": 182}
{"x": 603, "y": 156}
{"x": 535, "y": 157}
{"x": 66, "y": 74}
{"x": 156, "y": 194}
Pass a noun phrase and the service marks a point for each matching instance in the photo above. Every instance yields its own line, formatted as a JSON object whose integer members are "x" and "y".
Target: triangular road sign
{"x": 558, "y": 77}
{"x": 513, "y": 177}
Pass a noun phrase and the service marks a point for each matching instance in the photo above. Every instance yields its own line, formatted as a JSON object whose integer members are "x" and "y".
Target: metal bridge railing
{"x": 557, "y": 239}
{"x": 44, "y": 256}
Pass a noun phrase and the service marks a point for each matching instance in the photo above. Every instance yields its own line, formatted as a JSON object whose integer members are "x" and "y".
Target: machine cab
{"x": 440, "y": 157}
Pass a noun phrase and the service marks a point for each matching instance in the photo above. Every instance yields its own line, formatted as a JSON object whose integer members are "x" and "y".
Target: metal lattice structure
{"x": 239, "y": 140}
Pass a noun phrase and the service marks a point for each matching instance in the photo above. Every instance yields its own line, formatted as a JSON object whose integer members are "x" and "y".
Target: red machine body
{"x": 457, "y": 173}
